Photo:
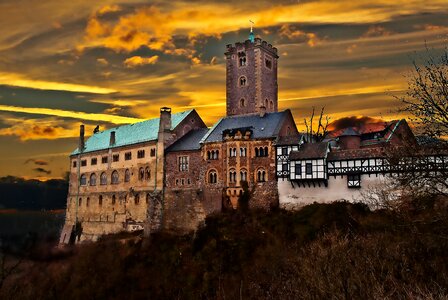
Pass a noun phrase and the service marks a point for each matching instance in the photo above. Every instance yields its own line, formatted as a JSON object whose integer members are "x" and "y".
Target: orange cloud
{"x": 376, "y": 31}
{"x": 108, "y": 9}
{"x": 136, "y": 61}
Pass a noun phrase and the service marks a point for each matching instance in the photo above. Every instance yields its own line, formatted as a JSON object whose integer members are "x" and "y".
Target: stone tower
{"x": 251, "y": 79}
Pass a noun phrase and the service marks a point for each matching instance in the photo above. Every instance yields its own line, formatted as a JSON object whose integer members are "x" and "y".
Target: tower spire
{"x": 251, "y": 34}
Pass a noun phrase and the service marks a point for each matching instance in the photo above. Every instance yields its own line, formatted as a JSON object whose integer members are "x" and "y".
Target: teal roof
{"x": 130, "y": 134}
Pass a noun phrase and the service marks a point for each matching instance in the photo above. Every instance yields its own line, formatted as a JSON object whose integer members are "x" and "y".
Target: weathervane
{"x": 251, "y": 25}
{"x": 251, "y": 34}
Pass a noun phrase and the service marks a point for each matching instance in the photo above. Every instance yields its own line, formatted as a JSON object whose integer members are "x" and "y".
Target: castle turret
{"x": 251, "y": 77}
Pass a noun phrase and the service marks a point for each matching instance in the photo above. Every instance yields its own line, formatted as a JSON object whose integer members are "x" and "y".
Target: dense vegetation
{"x": 339, "y": 251}
{"x": 21, "y": 194}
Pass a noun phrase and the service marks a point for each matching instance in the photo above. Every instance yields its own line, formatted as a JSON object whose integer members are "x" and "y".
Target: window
{"x": 74, "y": 164}
{"x": 147, "y": 198}
{"x": 261, "y": 151}
{"x": 83, "y": 163}
{"x": 113, "y": 199}
{"x": 309, "y": 168}
{"x": 79, "y": 202}
{"x": 298, "y": 169}
{"x": 243, "y": 152}
{"x": 147, "y": 173}
{"x": 241, "y": 59}
{"x": 114, "y": 177}
{"x": 242, "y": 102}
{"x": 141, "y": 174}
{"x": 93, "y": 179}
{"x": 268, "y": 63}
{"x": 137, "y": 199}
{"x": 104, "y": 160}
{"x": 140, "y": 153}
{"x": 271, "y": 106}
{"x": 354, "y": 181}
{"x": 212, "y": 177}
{"x": 183, "y": 163}
{"x": 100, "y": 200}
{"x": 261, "y": 175}
{"x": 87, "y": 201}
{"x": 127, "y": 175}
{"x": 103, "y": 178}
{"x": 115, "y": 157}
{"x": 285, "y": 167}
{"x": 243, "y": 175}
{"x": 153, "y": 152}
{"x": 232, "y": 176}
{"x": 285, "y": 151}
{"x": 128, "y": 156}
{"x": 232, "y": 152}
{"x": 243, "y": 81}
{"x": 83, "y": 179}
{"x": 213, "y": 154}
{"x": 93, "y": 161}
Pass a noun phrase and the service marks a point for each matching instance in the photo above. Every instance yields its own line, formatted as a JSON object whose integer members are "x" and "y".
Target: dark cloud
{"x": 38, "y": 162}
{"x": 42, "y": 171}
{"x": 357, "y": 122}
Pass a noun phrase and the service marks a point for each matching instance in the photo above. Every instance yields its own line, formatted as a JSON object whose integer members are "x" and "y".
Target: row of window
{"x": 308, "y": 168}
{"x": 113, "y": 200}
{"x": 242, "y": 60}
{"x": 143, "y": 174}
{"x": 115, "y": 158}
{"x": 260, "y": 176}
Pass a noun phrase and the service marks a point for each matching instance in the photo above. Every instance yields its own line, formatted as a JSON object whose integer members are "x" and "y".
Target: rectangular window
{"x": 128, "y": 156}
{"x": 104, "y": 160}
{"x": 140, "y": 153}
{"x": 74, "y": 164}
{"x": 153, "y": 152}
{"x": 285, "y": 167}
{"x": 285, "y": 151}
{"x": 183, "y": 163}
{"x": 298, "y": 169}
{"x": 309, "y": 169}
{"x": 115, "y": 157}
{"x": 83, "y": 163}
{"x": 354, "y": 181}
{"x": 93, "y": 161}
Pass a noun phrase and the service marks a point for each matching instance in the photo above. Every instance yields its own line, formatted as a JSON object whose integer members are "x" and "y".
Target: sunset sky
{"x": 63, "y": 63}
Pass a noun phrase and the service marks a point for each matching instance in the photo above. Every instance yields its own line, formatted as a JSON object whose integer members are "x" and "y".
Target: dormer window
{"x": 241, "y": 59}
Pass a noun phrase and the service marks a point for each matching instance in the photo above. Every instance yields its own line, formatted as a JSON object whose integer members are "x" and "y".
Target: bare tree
{"x": 426, "y": 98}
{"x": 322, "y": 128}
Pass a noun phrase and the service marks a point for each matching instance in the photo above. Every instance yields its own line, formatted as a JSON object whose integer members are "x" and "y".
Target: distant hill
{"x": 21, "y": 194}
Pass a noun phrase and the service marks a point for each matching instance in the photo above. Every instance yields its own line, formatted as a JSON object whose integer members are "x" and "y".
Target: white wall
{"x": 295, "y": 198}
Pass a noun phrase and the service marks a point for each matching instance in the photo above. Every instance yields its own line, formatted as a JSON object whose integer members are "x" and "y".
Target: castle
{"x": 173, "y": 171}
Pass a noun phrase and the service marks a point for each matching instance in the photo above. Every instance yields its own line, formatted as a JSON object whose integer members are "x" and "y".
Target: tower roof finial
{"x": 251, "y": 34}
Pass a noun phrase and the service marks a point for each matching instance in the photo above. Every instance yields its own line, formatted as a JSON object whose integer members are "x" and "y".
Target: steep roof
{"x": 362, "y": 153}
{"x": 189, "y": 142}
{"x": 310, "y": 151}
{"x": 290, "y": 140}
{"x": 267, "y": 126}
{"x": 130, "y": 134}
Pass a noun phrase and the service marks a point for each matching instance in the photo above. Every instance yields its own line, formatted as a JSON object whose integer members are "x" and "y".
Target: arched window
{"x": 113, "y": 199}
{"x": 241, "y": 59}
{"x": 147, "y": 198}
{"x": 114, "y": 177}
{"x": 83, "y": 179}
{"x": 266, "y": 103}
{"x": 209, "y": 155}
{"x": 243, "y": 81}
{"x": 242, "y": 102}
{"x": 212, "y": 177}
{"x": 232, "y": 176}
{"x": 147, "y": 173}
{"x": 141, "y": 174}
{"x": 243, "y": 175}
{"x": 271, "y": 105}
{"x": 103, "y": 178}
{"x": 87, "y": 201}
{"x": 137, "y": 199}
{"x": 261, "y": 152}
{"x": 261, "y": 175}
{"x": 243, "y": 151}
{"x": 216, "y": 154}
{"x": 93, "y": 179}
{"x": 257, "y": 153}
{"x": 266, "y": 153}
{"x": 127, "y": 175}
{"x": 100, "y": 200}
{"x": 79, "y": 202}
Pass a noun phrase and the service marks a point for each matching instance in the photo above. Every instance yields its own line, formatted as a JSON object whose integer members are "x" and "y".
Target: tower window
{"x": 243, "y": 81}
{"x": 242, "y": 59}
{"x": 242, "y": 102}
{"x": 268, "y": 63}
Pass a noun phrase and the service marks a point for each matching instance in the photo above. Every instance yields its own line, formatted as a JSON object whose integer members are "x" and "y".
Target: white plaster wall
{"x": 296, "y": 197}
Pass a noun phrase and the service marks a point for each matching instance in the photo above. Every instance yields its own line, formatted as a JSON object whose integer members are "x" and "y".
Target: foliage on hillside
{"x": 324, "y": 251}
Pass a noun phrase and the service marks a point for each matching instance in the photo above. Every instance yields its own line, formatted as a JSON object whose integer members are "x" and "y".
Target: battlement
{"x": 258, "y": 43}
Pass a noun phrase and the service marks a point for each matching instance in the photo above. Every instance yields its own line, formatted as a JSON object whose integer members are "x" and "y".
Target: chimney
{"x": 262, "y": 111}
{"x": 81, "y": 145}
{"x": 112, "y": 138}
{"x": 165, "y": 119}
